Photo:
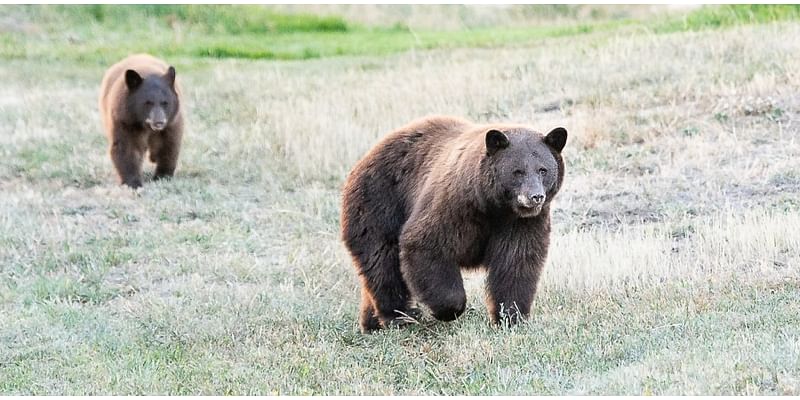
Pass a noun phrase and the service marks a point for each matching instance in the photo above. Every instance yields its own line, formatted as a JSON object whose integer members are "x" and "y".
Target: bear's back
{"x": 401, "y": 161}
{"x": 383, "y": 186}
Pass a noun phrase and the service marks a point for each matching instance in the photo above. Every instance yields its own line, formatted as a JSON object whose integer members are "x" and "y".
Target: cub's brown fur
{"x": 443, "y": 194}
{"x": 140, "y": 108}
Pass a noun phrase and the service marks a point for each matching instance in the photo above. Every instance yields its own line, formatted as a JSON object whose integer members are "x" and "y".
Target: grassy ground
{"x": 674, "y": 267}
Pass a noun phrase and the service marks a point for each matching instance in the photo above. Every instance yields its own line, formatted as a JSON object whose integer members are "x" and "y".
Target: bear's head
{"x": 525, "y": 168}
{"x": 152, "y": 100}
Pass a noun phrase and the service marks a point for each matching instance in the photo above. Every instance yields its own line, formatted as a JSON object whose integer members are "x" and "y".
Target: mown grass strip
{"x": 103, "y": 33}
{"x": 710, "y": 17}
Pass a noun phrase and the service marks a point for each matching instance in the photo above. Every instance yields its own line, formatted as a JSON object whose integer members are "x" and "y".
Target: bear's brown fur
{"x": 140, "y": 109}
{"x": 443, "y": 194}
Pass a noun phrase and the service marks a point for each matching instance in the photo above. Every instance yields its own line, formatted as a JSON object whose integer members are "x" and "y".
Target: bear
{"x": 441, "y": 195}
{"x": 140, "y": 107}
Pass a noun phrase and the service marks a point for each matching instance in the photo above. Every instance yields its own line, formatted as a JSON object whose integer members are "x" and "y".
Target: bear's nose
{"x": 530, "y": 200}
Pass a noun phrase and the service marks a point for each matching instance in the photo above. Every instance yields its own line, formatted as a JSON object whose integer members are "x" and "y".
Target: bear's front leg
{"x": 514, "y": 261}
{"x": 511, "y": 290}
{"x": 433, "y": 279}
{"x": 164, "y": 150}
{"x": 127, "y": 155}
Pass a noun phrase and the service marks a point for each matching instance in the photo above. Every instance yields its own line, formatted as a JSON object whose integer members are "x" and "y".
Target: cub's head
{"x": 152, "y": 100}
{"x": 525, "y": 168}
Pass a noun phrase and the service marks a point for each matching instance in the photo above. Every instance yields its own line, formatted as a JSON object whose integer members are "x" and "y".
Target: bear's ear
{"x": 170, "y": 76}
{"x": 132, "y": 79}
{"x": 557, "y": 139}
{"x": 495, "y": 140}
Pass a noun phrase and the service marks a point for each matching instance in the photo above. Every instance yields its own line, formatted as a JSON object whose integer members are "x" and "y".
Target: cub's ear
{"x": 557, "y": 139}
{"x": 495, "y": 140}
{"x": 170, "y": 76}
{"x": 132, "y": 79}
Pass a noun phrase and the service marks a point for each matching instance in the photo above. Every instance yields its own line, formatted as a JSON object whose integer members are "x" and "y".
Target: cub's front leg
{"x": 127, "y": 152}
{"x": 165, "y": 147}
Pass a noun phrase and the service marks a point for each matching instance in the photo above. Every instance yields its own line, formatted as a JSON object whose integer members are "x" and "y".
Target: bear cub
{"x": 443, "y": 194}
{"x": 140, "y": 109}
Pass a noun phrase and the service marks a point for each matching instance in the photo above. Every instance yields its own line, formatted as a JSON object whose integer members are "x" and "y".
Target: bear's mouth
{"x": 528, "y": 211}
{"x": 157, "y": 126}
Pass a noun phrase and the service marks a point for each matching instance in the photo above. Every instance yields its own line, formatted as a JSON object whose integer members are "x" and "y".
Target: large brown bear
{"x": 141, "y": 110}
{"x": 443, "y": 194}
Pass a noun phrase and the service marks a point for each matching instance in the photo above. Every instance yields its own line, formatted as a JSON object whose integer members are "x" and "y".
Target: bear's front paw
{"x": 133, "y": 183}
{"x": 408, "y": 317}
{"x": 508, "y": 316}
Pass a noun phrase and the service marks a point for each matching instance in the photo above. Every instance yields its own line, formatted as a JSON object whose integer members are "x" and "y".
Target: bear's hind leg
{"x": 367, "y": 318}
{"x": 380, "y": 270}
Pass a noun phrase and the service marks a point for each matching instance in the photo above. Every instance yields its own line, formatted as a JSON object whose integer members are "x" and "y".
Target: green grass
{"x": 105, "y": 33}
{"x": 572, "y": 346}
{"x": 731, "y": 15}
{"x": 219, "y": 19}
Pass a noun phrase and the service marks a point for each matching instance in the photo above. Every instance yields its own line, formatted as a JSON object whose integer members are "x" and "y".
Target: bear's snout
{"x": 529, "y": 205}
{"x": 531, "y": 200}
{"x": 157, "y": 120}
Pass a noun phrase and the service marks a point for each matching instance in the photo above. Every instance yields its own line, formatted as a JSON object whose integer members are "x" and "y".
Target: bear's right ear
{"x": 132, "y": 79}
{"x": 557, "y": 139}
{"x": 495, "y": 140}
{"x": 170, "y": 76}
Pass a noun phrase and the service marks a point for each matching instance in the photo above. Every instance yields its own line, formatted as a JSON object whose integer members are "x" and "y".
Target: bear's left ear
{"x": 557, "y": 139}
{"x": 132, "y": 79}
{"x": 495, "y": 140}
{"x": 170, "y": 76}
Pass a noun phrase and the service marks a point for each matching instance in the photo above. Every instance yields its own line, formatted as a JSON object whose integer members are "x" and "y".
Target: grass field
{"x": 675, "y": 265}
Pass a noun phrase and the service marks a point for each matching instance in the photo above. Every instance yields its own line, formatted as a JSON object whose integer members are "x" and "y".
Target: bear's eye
{"x": 519, "y": 173}
{"x": 164, "y": 103}
{"x": 148, "y": 103}
{"x": 542, "y": 171}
